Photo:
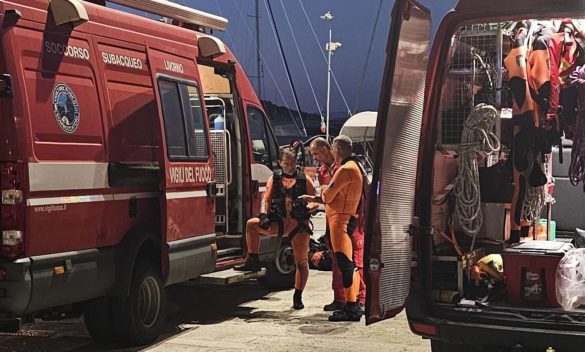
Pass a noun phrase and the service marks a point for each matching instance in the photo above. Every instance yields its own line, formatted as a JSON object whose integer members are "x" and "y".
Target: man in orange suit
{"x": 321, "y": 152}
{"x": 342, "y": 198}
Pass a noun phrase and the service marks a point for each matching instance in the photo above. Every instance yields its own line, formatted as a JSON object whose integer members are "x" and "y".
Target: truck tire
{"x": 98, "y": 319}
{"x": 142, "y": 315}
{"x": 280, "y": 273}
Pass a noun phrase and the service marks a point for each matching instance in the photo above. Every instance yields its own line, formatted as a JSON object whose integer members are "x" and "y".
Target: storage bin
{"x": 530, "y": 269}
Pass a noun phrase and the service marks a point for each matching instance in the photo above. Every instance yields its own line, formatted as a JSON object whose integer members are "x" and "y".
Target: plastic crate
{"x": 530, "y": 270}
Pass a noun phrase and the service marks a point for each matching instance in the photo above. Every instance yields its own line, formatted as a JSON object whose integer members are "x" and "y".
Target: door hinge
{"x": 406, "y": 11}
{"x": 5, "y": 86}
{"x": 132, "y": 207}
{"x": 414, "y": 228}
{"x": 255, "y": 186}
{"x": 375, "y": 264}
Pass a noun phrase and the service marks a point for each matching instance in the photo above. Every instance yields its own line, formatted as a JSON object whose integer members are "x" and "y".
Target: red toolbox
{"x": 530, "y": 269}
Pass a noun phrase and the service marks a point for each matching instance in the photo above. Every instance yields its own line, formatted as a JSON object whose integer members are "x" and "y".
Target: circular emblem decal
{"x": 65, "y": 108}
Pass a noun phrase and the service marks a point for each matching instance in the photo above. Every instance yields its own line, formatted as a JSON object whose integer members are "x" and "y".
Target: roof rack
{"x": 178, "y": 12}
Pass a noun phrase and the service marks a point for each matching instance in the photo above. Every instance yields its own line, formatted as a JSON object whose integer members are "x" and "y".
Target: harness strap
{"x": 301, "y": 227}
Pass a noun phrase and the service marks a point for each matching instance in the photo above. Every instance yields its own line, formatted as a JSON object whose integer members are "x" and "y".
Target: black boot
{"x": 251, "y": 264}
{"x": 524, "y": 231}
{"x": 333, "y": 306}
{"x": 362, "y": 308}
{"x": 351, "y": 312}
{"x": 514, "y": 236}
{"x": 298, "y": 299}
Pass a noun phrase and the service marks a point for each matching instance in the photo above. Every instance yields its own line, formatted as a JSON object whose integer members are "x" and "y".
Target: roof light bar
{"x": 179, "y": 12}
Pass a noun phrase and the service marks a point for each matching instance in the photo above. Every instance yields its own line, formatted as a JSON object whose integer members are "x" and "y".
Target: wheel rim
{"x": 149, "y": 301}
{"x": 285, "y": 261}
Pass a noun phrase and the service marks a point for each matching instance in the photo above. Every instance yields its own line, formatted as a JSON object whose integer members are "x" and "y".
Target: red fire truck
{"x": 133, "y": 152}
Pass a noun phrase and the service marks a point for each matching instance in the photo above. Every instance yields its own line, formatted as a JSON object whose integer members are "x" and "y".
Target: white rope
{"x": 477, "y": 138}
{"x": 300, "y": 56}
{"x": 325, "y": 58}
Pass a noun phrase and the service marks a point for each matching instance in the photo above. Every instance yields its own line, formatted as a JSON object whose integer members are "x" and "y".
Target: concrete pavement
{"x": 241, "y": 317}
{"x": 250, "y": 318}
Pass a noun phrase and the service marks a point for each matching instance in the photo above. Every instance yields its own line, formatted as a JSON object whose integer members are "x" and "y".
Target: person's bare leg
{"x": 300, "y": 245}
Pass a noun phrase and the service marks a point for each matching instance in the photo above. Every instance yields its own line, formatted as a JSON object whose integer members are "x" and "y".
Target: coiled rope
{"x": 477, "y": 138}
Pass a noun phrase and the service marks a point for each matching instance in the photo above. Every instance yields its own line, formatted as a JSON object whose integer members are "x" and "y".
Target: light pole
{"x": 330, "y": 47}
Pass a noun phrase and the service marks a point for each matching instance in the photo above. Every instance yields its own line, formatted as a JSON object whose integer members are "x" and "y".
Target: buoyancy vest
{"x": 538, "y": 67}
{"x": 515, "y": 63}
{"x": 280, "y": 193}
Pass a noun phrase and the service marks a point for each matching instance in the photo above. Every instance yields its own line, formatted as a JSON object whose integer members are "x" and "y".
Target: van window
{"x": 263, "y": 145}
{"x": 184, "y": 121}
{"x": 195, "y": 123}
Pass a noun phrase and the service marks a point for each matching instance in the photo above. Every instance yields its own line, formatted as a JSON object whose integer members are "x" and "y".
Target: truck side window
{"x": 263, "y": 146}
{"x": 184, "y": 121}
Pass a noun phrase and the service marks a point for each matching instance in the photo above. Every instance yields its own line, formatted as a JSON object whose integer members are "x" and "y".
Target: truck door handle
{"x": 211, "y": 189}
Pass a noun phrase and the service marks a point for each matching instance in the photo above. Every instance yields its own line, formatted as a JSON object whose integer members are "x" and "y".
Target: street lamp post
{"x": 330, "y": 47}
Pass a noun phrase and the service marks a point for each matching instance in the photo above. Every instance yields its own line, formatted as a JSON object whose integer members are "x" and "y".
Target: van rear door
{"x": 391, "y": 203}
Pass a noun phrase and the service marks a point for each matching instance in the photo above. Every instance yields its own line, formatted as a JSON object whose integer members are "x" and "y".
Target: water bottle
{"x": 219, "y": 122}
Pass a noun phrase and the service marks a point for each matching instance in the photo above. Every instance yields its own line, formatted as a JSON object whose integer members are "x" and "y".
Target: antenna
{"x": 179, "y": 12}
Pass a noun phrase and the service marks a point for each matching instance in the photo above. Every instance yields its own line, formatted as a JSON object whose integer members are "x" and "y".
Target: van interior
{"x": 476, "y": 265}
{"x": 225, "y": 132}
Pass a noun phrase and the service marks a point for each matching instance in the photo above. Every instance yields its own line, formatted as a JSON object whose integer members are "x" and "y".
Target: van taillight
{"x": 424, "y": 329}
{"x": 12, "y": 209}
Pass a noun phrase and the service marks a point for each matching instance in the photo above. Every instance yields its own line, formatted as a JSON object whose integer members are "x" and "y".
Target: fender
{"x": 128, "y": 251}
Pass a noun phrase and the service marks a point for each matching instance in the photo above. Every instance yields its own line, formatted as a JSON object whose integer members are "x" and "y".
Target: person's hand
{"x": 264, "y": 221}
{"x": 307, "y": 198}
{"x": 312, "y": 207}
{"x": 316, "y": 258}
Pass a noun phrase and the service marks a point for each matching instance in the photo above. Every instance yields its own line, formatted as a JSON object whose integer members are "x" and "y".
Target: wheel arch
{"x": 138, "y": 244}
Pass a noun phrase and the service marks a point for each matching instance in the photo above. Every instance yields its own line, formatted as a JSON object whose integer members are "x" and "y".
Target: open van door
{"x": 186, "y": 162}
{"x": 390, "y": 217}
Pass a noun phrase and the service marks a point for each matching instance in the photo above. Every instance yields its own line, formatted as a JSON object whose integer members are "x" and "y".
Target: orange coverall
{"x": 300, "y": 242}
{"x": 342, "y": 197}
{"x": 325, "y": 174}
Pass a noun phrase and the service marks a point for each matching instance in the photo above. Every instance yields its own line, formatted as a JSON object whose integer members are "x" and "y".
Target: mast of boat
{"x": 258, "y": 59}
{"x": 303, "y": 130}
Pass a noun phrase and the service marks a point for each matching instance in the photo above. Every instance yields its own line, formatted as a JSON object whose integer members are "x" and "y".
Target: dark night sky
{"x": 353, "y": 26}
